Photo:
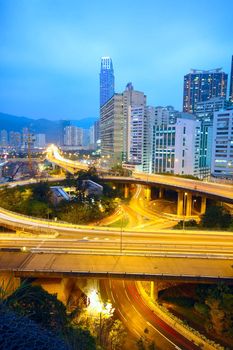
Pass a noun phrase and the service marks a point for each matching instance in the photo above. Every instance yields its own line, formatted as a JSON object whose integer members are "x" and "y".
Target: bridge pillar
{"x": 154, "y": 290}
{"x": 126, "y": 190}
{"x": 62, "y": 287}
{"x": 161, "y": 193}
{"x": 148, "y": 193}
{"x": 188, "y": 204}
{"x": 180, "y": 203}
{"x": 203, "y": 205}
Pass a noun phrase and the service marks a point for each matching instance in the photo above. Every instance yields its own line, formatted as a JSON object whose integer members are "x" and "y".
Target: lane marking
{"x": 136, "y": 310}
{"x": 113, "y": 297}
{"x": 126, "y": 292}
{"x": 176, "y": 347}
{"x": 122, "y": 315}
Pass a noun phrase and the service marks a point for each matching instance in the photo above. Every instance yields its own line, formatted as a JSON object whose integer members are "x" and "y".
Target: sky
{"x": 50, "y": 51}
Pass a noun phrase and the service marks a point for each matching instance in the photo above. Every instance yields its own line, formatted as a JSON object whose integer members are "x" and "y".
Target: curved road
{"x": 213, "y": 190}
{"x": 138, "y": 317}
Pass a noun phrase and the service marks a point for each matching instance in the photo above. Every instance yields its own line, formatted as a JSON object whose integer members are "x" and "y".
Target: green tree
{"x": 78, "y": 338}
{"x": 216, "y": 217}
{"x": 41, "y": 192}
{"x": 35, "y": 303}
{"x": 20, "y": 333}
{"x": 117, "y": 335}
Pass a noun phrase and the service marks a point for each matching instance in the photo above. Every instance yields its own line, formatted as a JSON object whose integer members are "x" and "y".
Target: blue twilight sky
{"x": 50, "y": 50}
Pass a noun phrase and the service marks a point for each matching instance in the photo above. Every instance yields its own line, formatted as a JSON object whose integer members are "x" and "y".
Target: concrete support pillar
{"x": 152, "y": 289}
{"x": 203, "y": 205}
{"x": 180, "y": 203}
{"x": 189, "y": 204}
{"x": 148, "y": 193}
{"x": 154, "y": 294}
{"x": 60, "y": 286}
{"x": 161, "y": 193}
{"x": 126, "y": 191}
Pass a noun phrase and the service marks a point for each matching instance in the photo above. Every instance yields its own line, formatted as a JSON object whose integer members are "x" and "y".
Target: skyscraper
{"x": 231, "y": 82}
{"x": 106, "y": 80}
{"x": 111, "y": 129}
{"x": 222, "y": 146}
{"x": 201, "y": 85}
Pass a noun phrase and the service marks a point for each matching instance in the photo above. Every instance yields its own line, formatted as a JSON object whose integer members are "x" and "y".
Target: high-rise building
{"x": 111, "y": 129}
{"x": 94, "y": 133}
{"x": 3, "y": 138}
{"x": 73, "y": 136}
{"x": 39, "y": 141}
{"x": 107, "y": 81}
{"x": 125, "y": 128}
{"x": 231, "y": 82}
{"x": 165, "y": 115}
{"x": 222, "y": 147}
{"x": 201, "y": 85}
{"x": 205, "y": 110}
{"x": 62, "y": 124}
{"x": 131, "y": 99}
{"x": 175, "y": 147}
{"x": 15, "y": 139}
{"x": 135, "y": 134}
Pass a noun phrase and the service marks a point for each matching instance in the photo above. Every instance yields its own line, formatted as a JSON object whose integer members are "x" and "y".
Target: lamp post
{"x": 121, "y": 235}
{"x": 184, "y": 209}
{"x": 99, "y": 310}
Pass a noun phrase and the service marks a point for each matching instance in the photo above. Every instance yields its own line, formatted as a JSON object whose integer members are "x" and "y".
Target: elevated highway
{"x": 219, "y": 192}
{"x": 117, "y": 252}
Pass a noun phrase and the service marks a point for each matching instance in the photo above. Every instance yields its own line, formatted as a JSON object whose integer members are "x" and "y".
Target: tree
{"x": 216, "y": 217}
{"x": 117, "y": 335}
{"x": 78, "y": 338}
{"x": 41, "y": 192}
{"x": 20, "y": 333}
{"x": 35, "y": 303}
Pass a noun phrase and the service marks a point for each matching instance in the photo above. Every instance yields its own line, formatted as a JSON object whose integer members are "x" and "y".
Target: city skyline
{"x": 43, "y": 77}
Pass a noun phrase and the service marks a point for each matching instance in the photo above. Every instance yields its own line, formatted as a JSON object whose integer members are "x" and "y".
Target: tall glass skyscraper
{"x": 231, "y": 82}
{"x": 107, "y": 80}
{"x": 202, "y": 85}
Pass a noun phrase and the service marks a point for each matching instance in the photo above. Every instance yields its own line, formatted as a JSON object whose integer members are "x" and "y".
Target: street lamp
{"x": 121, "y": 235}
{"x": 184, "y": 208}
{"x": 97, "y": 308}
{"x": 194, "y": 203}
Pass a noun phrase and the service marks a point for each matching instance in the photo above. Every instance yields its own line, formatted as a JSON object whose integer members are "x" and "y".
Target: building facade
{"x": 3, "y": 138}
{"x": 15, "y": 139}
{"x": 205, "y": 110}
{"x": 40, "y": 141}
{"x": 231, "y": 82}
{"x": 222, "y": 147}
{"x": 107, "y": 80}
{"x": 111, "y": 129}
{"x": 200, "y": 85}
{"x": 176, "y": 147}
{"x": 165, "y": 115}
{"x": 73, "y": 136}
{"x": 132, "y": 100}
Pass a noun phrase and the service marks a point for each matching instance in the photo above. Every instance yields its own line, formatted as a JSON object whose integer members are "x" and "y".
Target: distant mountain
{"x": 52, "y": 129}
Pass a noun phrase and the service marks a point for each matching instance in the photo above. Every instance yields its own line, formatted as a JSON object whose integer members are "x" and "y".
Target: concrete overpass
{"x": 186, "y": 188}
{"x": 128, "y": 267}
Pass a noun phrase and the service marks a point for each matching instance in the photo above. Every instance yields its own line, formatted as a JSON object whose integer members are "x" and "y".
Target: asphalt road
{"x": 139, "y": 319}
